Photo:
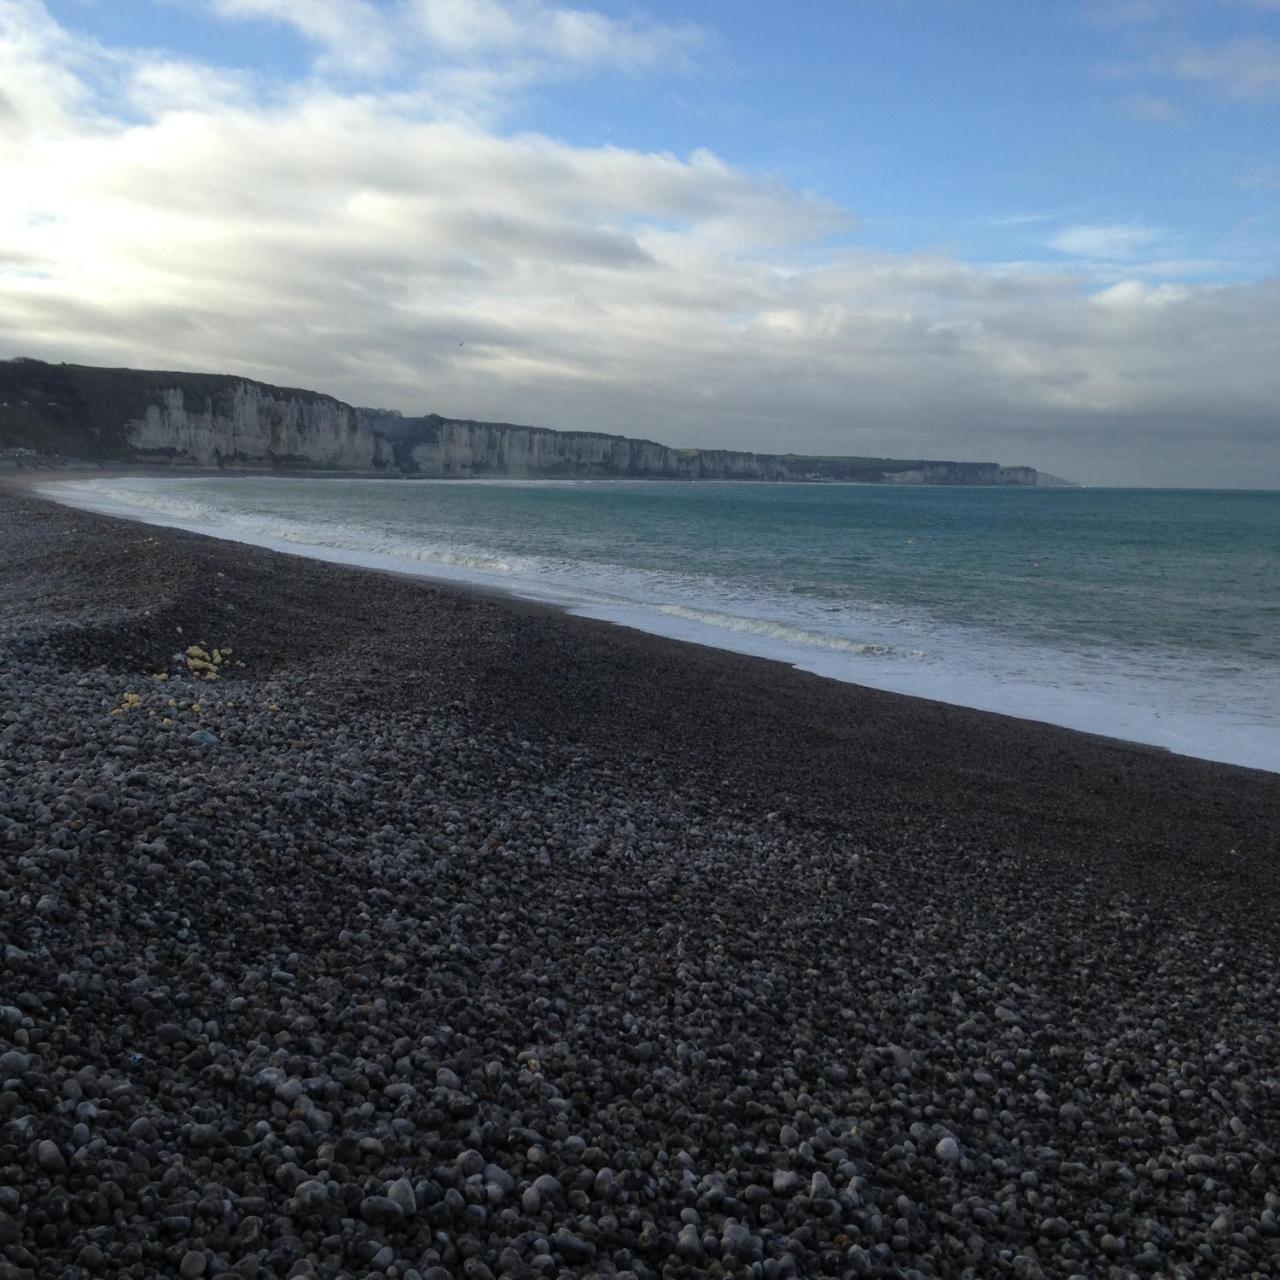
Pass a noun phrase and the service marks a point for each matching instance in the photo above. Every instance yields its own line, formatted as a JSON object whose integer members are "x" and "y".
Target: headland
{"x": 165, "y": 419}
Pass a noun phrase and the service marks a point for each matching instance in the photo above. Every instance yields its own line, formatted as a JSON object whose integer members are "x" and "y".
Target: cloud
{"x": 1263, "y": 177}
{"x": 1164, "y": 43}
{"x": 356, "y": 34}
{"x": 1107, "y": 240}
{"x": 1247, "y": 68}
{"x": 1154, "y": 110}
{"x": 1130, "y": 13}
{"x": 520, "y": 40}
{"x": 344, "y": 239}
{"x": 1018, "y": 219}
{"x": 579, "y": 36}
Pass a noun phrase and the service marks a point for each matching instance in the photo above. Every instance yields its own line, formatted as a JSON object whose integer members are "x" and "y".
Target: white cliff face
{"x": 248, "y": 426}
{"x": 462, "y": 449}
{"x": 453, "y": 449}
{"x": 478, "y": 448}
{"x": 953, "y": 473}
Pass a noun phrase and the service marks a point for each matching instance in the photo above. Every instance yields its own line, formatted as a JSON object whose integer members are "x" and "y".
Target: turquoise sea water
{"x": 1144, "y": 614}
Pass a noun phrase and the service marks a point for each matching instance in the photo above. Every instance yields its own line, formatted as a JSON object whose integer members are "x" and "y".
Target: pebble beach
{"x": 355, "y": 925}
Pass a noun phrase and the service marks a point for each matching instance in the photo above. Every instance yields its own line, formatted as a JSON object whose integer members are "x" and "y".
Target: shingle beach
{"x": 355, "y": 925}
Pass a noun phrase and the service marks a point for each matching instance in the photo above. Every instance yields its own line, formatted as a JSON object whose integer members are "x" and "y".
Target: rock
{"x": 380, "y": 1210}
{"x": 205, "y": 1136}
{"x": 736, "y": 1240}
{"x": 548, "y": 1187}
{"x": 689, "y": 1244}
{"x": 192, "y": 1265}
{"x": 91, "y": 1258}
{"x": 400, "y": 1193}
{"x": 572, "y": 1248}
{"x": 507, "y": 944}
{"x": 14, "y": 1063}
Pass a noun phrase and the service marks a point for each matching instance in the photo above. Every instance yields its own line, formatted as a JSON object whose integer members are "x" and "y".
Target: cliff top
{"x": 81, "y": 410}
{"x": 85, "y": 411}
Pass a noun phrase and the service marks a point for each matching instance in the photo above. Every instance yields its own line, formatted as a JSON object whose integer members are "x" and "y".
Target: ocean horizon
{"x": 1148, "y": 615}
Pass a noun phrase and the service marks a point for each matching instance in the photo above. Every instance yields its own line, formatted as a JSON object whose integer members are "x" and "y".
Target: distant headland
{"x": 165, "y": 418}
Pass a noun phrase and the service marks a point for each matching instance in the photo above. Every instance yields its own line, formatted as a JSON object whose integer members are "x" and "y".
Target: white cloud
{"x": 342, "y": 240}
{"x": 1018, "y": 219}
{"x": 515, "y": 40}
{"x": 1263, "y": 177}
{"x": 44, "y": 74}
{"x": 357, "y": 34}
{"x": 1155, "y": 110}
{"x": 1107, "y": 240}
{"x": 1130, "y": 13}
{"x": 581, "y": 36}
{"x": 1245, "y": 68}
{"x": 1129, "y": 294}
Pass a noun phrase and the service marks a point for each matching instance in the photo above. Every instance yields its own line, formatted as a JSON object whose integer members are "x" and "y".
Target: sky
{"x": 1034, "y": 233}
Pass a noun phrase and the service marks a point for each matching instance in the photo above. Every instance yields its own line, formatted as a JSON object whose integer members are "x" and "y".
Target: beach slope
{"x": 448, "y": 935}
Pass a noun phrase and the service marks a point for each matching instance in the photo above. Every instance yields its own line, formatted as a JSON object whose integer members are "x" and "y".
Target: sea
{"x": 1142, "y": 614}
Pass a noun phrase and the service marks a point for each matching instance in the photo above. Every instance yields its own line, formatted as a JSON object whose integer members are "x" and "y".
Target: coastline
{"x": 442, "y": 892}
{"x": 865, "y": 729}
{"x": 1138, "y": 717}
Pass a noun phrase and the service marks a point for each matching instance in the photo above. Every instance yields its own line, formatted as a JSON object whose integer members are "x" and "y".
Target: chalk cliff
{"x": 449, "y": 448}
{"x": 193, "y": 419}
{"x": 249, "y": 424}
{"x": 445, "y": 448}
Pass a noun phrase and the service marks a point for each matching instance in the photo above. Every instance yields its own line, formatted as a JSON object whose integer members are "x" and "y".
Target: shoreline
{"x": 820, "y": 695}
{"x": 1027, "y": 704}
{"x": 459, "y": 936}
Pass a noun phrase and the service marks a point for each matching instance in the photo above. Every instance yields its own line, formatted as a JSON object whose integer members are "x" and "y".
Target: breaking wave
{"x": 780, "y": 631}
